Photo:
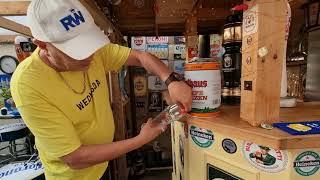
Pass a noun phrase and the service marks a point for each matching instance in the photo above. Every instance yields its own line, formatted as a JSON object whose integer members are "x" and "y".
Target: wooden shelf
{"x": 296, "y": 63}
{"x": 230, "y": 123}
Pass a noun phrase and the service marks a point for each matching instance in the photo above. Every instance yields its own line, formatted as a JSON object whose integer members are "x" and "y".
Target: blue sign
{"x": 159, "y": 50}
{"x": 300, "y": 128}
{"x": 6, "y": 98}
{"x": 23, "y": 170}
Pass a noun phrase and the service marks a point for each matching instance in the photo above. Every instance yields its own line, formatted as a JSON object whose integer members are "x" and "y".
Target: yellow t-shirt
{"x": 62, "y": 120}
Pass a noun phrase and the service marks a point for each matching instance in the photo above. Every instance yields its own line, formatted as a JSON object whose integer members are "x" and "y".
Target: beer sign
{"x": 138, "y": 43}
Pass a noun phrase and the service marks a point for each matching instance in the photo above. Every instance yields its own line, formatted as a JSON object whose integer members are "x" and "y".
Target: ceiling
{"x": 168, "y": 17}
{"x": 139, "y": 17}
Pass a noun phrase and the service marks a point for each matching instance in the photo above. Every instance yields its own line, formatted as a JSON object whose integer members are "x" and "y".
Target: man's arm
{"x": 86, "y": 156}
{"x": 179, "y": 91}
{"x": 57, "y": 136}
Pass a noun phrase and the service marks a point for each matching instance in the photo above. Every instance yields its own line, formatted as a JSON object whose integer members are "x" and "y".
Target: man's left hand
{"x": 182, "y": 93}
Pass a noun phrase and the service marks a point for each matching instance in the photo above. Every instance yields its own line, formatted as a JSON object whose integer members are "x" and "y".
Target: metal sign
{"x": 138, "y": 43}
{"x": 155, "y": 101}
{"x": 156, "y": 84}
{"x": 179, "y": 52}
{"x": 158, "y": 40}
{"x": 22, "y": 170}
{"x": 159, "y": 50}
{"x": 229, "y": 146}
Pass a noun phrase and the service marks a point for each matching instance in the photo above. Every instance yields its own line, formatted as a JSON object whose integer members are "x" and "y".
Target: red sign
{"x": 138, "y": 41}
{"x": 158, "y": 40}
{"x": 192, "y": 52}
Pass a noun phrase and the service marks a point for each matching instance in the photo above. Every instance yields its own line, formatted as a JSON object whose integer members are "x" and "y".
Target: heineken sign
{"x": 202, "y": 137}
{"x": 307, "y": 163}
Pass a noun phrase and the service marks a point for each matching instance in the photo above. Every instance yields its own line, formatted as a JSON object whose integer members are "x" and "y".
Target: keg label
{"x": 206, "y": 90}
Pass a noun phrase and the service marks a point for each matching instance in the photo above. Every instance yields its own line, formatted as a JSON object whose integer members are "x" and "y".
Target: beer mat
{"x": 299, "y": 128}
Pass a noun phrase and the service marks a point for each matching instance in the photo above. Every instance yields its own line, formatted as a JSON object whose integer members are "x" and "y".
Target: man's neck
{"x": 46, "y": 60}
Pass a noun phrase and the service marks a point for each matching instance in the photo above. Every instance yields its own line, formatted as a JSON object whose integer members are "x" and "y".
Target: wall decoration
{"x": 229, "y": 146}
{"x": 140, "y": 85}
{"x": 179, "y": 52}
{"x": 307, "y": 163}
{"x": 158, "y": 40}
{"x": 179, "y": 40}
{"x": 156, "y": 84}
{"x": 155, "y": 102}
{"x": 139, "y": 43}
{"x": 141, "y": 104}
{"x": 265, "y": 158}
{"x": 22, "y": 170}
{"x": 202, "y": 137}
{"x": 216, "y": 49}
{"x": 159, "y": 50}
{"x": 178, "y": 66}
{"x": 250, "y": 21}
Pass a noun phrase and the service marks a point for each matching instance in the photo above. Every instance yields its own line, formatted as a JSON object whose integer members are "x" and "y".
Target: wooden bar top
{"x": 230, "y": 124}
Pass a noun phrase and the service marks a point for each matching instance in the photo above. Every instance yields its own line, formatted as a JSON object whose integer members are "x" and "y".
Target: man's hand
{"x": 182, "y": 93}
{"x": 151, "y": 130}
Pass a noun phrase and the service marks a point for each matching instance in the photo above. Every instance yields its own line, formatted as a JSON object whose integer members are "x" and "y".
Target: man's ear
{"x": 40, "y": 44}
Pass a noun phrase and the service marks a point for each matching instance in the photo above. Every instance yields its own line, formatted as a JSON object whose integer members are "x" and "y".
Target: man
{"x": 23, "y": 47}
{"x": 263, "y": 156}
{"x": 61, "y": 91}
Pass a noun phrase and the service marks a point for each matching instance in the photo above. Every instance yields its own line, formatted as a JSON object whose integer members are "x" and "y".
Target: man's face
{"x": 264, "y": 152}
{"x": 64, "y": 62}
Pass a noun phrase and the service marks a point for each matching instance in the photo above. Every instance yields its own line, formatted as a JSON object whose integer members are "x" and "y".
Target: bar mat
{"x": 300, "y": 128}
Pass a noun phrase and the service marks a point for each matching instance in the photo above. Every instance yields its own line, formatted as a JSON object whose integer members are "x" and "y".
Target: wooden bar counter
{"x": 230, "y": 123}
{"x": 229, "y": 148}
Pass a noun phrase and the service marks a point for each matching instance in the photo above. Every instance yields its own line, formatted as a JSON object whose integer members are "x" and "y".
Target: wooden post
{"x": 191, "y": 37}
{"x": 119, "y": 113}
{"x": 262, "y": 54}
{"x": 13, "y": 26}
{"x": 7, "y": 38}
{"x": 99, "y": 17}
{"x": 13, "y": 8}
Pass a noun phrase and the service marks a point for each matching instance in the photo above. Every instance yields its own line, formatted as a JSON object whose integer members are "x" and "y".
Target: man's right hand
{"x": 151, "y": 130}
